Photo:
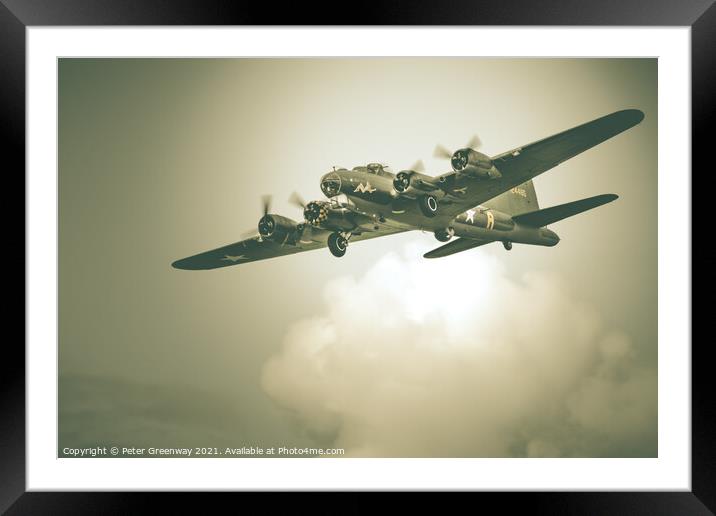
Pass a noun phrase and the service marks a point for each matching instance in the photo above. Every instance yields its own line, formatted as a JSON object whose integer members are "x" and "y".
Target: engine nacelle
{"x": 409, "y": 181}
{"x": 279, "y": 229}
{"x": 326, "y": 215}
{"x": 475, "y": 164}
{"x": 443, "y": 235}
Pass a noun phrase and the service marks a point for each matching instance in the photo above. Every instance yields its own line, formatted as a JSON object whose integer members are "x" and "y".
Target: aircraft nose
{"x": 331, "y": 184}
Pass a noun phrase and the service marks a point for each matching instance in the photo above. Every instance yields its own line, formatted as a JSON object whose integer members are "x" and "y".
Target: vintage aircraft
{"x": 481, "y": 200}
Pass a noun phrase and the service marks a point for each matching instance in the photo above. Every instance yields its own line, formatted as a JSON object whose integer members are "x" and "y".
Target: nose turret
{"x": 331, "y": 184}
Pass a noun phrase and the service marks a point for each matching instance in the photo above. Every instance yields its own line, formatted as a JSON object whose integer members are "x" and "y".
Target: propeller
{"x": 401, "y": 182}
{"x": 297, "y": 200}
{"x": 266, "y": 202}
{"x": 266, "y": 206}
{"x": 443, "y": 152}
{"x": 308, "y": 208}
{"x": 474, "y": 143}
{"x": 267, "y": 223}
{"x": 315, "y": 212}
{"x": 418, "y": 166}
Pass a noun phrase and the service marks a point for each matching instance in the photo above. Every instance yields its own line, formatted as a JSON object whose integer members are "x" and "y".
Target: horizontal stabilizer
{"x": 541, "y": 218}
{"x": 456, "y": 246}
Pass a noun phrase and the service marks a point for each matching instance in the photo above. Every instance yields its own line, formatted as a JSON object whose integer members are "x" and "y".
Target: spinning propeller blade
{"x": 474, "y": 143}
{"x": 418, "y": 166}
{"x": 442, "y": 152}
{"x": 297, "y": 200}
{"x": 445, "y": 153}
{"x": 266, "y": 202}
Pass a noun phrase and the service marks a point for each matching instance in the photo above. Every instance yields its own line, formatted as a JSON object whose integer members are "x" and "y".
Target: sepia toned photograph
{"x": 357, "y": 257}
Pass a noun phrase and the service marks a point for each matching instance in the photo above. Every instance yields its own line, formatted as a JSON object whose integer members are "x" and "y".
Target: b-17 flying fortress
{"x": 481, "y": 200}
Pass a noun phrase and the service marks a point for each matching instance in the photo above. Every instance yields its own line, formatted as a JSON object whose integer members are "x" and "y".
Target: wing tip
{"x": 609, "y": 197}
{"x": 180, "y": 264}
{"x": 187, "y": 264}
{"x": 632, "y": 116}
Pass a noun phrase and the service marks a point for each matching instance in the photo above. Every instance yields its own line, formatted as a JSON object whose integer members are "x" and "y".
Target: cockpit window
{"x": 331, "y": 184}
{"x": 375, "y": 168}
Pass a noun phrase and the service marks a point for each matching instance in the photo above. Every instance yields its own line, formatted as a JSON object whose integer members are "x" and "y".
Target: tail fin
{"x": 456, "y": 246}
{"x": 521, "y": 199}
{"x": 541, "y": 218}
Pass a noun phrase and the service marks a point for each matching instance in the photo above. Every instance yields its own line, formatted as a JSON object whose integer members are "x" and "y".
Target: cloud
{"x": 453, "y": 358}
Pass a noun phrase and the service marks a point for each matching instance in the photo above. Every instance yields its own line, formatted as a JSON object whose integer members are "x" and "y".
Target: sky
{"x": 488, "y": 353}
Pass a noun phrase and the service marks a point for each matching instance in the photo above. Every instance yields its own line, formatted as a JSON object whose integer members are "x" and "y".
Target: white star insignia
{"x": 229, "y": 258}
{"x": 470, "y": 216}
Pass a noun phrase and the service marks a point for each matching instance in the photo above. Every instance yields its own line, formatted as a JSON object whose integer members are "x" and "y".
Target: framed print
{"x": 203, "y": 314}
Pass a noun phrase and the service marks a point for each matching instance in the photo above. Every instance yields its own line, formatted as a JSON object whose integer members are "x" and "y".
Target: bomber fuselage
{"x": 371, "y": 190}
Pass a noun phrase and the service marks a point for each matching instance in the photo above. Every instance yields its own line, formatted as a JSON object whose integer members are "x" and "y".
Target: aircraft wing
{"x": 523, "y": 163}
{"x": 253, "y": 249}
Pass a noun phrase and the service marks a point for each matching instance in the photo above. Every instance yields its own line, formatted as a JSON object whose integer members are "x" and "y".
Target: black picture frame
{"x": 700, "y": 15}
